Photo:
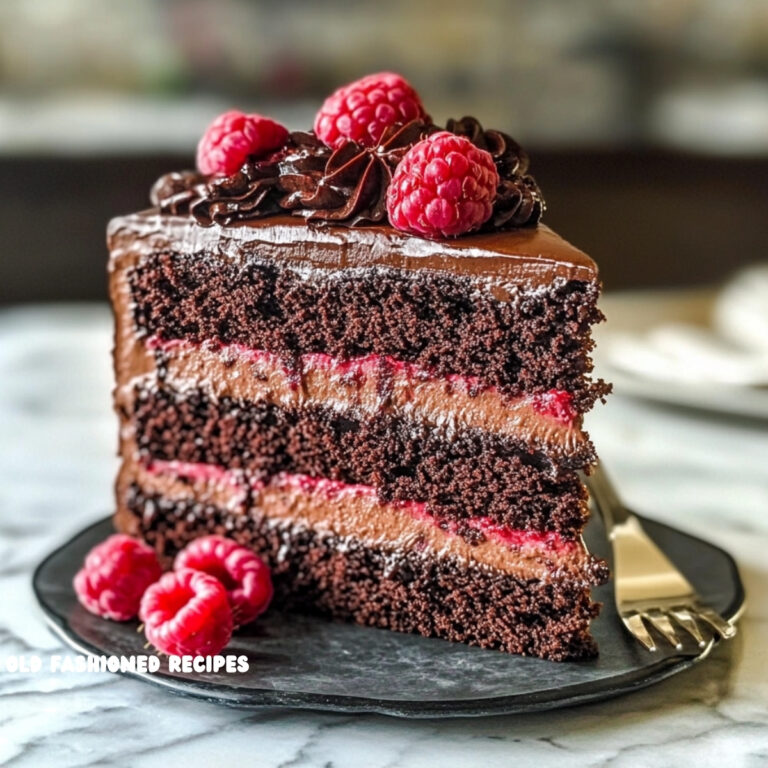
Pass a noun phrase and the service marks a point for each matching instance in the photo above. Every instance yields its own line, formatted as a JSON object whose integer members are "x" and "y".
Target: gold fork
{"x": 651, "y": 593}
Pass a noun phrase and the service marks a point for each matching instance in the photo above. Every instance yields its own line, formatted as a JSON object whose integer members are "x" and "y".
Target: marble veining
{"x": 57, "y": 461}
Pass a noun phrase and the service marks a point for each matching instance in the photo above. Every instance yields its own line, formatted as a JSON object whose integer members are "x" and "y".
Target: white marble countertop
{"x": 57, "y": 440}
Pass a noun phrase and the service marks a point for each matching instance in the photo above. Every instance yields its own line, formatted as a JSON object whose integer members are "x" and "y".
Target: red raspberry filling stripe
{"x": 511, "y": 538}
{"x": 554, "y": 404}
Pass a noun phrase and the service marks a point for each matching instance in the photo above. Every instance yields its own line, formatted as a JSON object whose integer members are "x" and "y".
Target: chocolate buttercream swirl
{"x": 174, "y": 192}
{"x": 519, "y": 202}
{"x": 220, "y": 199}
{"x": 251, "y": 193}
{"x": 352, "y": 185}
{"x": 347, "y": 185}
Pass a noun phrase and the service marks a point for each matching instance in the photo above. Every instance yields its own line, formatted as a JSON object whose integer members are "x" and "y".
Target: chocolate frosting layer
{"x": 351, "y": 512}
{"x": 503, "y": 262}
{"x": 347, "y": 185}
{"x": 366, "y": 387}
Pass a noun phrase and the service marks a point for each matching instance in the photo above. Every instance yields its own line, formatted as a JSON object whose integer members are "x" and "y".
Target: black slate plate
{"x": 306, "y": 662}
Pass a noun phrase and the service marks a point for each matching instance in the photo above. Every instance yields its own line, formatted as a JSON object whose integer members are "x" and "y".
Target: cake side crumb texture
{"x": 510, "y": 313}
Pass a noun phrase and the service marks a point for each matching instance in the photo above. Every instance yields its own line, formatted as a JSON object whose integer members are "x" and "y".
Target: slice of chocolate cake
{"x": 392, "y": 420}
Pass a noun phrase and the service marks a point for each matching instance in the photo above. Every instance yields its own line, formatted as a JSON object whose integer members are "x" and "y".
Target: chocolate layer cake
{"x": 392, "y": 422}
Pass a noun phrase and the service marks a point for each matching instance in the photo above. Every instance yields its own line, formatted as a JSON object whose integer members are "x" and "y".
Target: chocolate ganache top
{"x": 347, "y": 185}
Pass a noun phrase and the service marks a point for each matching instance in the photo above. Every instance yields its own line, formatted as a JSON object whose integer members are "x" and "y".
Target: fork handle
{"x": 607, "y": 500}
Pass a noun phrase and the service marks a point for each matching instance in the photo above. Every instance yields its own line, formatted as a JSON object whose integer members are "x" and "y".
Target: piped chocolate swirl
{"x": 347, "y": 185}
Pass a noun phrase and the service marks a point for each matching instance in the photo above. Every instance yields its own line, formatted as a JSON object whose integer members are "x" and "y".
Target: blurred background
{"x": 647, "y": 122}
{"x": 647, "y": 125}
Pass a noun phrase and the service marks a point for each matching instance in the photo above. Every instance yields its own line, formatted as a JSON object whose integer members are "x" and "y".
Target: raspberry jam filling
{"x": 555, "y": 405}
{"x": 511, "y": 538}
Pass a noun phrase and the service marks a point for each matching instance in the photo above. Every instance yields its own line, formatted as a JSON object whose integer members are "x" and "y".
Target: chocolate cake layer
{"x": 456, "y": 316}
{"x": 473, "y": 473}
{"x": 406, "y": 591}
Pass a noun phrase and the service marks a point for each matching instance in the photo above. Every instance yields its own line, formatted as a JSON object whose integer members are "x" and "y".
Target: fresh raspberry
{"x": 187, "y": 613}
{"x": 114, "y": 577}
{"x": 233, "y": 137}
{"x": 242, "y": 573}
{"x": 443, "y": 186}
{"x": 556, "y": 404}
{"x": 363, "y": 110}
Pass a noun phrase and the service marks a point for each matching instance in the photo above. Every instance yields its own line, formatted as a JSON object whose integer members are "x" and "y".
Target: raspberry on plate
{"x": 187, "y": 613}
{"x": 234, "y": 137}
{"x": 364, "y": 109}
{"x": 114, "y": 577}
{"x": 443, "y": 187}
{"x": 243, "y": 574}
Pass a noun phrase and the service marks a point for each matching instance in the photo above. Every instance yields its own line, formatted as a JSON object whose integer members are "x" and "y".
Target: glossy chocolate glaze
{"x": 504, "y": 262}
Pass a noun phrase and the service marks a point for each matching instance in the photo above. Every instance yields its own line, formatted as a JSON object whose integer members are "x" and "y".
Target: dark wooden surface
{"x": 649, "y": 218}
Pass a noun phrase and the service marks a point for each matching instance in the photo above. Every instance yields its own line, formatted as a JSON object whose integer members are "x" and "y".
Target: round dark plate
{"x": 310, "y": 663}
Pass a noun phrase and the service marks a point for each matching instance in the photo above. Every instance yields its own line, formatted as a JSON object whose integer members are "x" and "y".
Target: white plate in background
{"x": 641, "y": 312}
